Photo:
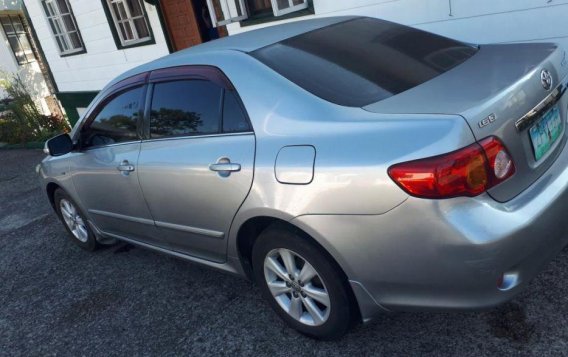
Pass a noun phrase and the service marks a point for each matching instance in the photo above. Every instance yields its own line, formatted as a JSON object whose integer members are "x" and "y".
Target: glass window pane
{"x": 184, "y": 108}
{"x": 52, "y": 25}
{"x": 257, "y": 7}
{"x": 58, "y": 26}
{"x": 116, "y": 122}
{"x": 8, "y": 29}
{"x": 64, "y": 43}
{"x": 126, "y": 31}
{"x": 234, "y": 119}
{"x": 51, "y": 9}
{"x": 24, "y": 43}
{"x": 116, "y": 11}
{"x": 75, "y": 40}
{"x": 63, "y": 8}
{"x": 5, "y": 20}
{"x": 60, "y": 43}
{"x": 141, "y": 28}
{"x": 16, "y": 48}
{"x": 282, "y": 4}
{"x": 69, "y": 24}
{"x": 121, "y": 11}
{"x": 18, "y": 26}
{"x": 298, "y": 2}
{"x": 122, "y": 32}
{"x": 134, "y": 6}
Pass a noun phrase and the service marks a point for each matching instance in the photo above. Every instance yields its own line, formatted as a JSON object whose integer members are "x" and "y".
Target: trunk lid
{"x": 500, "y": 92}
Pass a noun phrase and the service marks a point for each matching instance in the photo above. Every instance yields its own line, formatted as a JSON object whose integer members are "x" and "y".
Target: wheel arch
{"x": 50, "y": 190}
{"x": 251, "y": 229}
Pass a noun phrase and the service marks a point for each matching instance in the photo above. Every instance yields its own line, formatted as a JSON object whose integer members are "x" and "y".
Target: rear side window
{"x": 116, "y": 122}
{"x": 184, "y": 108}
{"x": 234, "y": 119}
{"x": 359, "y": 62}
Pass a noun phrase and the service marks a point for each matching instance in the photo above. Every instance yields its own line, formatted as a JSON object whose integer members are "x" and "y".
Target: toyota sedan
{"x": 349, "y": 166}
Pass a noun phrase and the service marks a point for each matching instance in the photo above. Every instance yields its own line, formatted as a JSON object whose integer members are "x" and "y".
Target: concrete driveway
{"x": 56, "y": 299}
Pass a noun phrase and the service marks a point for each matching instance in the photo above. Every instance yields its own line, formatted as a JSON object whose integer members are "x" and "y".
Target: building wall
{"x": 91, "y": 71}
{"x": 476, "y": 21}
{"x": 30, "y": 72}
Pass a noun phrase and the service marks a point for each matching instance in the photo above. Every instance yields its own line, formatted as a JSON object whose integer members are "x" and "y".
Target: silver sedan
{"x": 349, "y": 166}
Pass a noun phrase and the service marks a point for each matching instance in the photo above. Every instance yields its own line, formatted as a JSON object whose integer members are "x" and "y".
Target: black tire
{"x": 341, "y": 314}
{"x": 91, "y": 243}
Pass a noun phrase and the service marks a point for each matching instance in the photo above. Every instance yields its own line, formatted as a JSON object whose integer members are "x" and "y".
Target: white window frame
{"x": 130, "y": 20}
{"x": 230, "y": 13}
{"x": 55, "y": 14}
{"x": 291, "y": 8}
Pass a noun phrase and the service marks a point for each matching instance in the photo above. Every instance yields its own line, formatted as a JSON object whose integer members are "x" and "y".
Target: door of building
{"x": 182, "y": 23}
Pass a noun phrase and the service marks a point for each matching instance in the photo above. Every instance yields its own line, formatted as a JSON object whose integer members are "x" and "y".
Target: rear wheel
{"x": 302, "y": 284}
{"x": 74, "y": 221}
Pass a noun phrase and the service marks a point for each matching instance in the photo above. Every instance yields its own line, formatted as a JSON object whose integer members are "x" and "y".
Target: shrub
{"x": 21, "y": 121}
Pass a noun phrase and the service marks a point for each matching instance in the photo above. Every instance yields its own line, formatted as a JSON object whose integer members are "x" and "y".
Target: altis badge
{"x": 489, "y": 120}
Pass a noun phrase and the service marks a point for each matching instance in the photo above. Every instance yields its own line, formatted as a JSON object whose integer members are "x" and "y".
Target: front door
{"x": 197, "y": 167}
{"x": 105, "y": 173}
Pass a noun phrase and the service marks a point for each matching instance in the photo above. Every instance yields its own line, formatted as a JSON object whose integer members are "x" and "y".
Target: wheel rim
{"x": 73, "y": 220}
{"x": 297, "y": 287}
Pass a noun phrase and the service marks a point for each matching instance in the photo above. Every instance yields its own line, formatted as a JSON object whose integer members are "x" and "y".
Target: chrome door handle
{"x": 125, "y": 167}
{"x": 224, "y": 167}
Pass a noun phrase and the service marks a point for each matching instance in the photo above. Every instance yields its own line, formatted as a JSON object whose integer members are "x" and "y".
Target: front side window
{"x": 17, "y": 38}
{"x": 184, "y": 108}
{"x": 130, "y": 21}
{"x": 116, "y": 122}
{"x": 63, "y": 26}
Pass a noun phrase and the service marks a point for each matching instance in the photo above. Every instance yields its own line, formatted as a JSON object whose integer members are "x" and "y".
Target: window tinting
{"x": 184, "y": 108}
{"x": 234, "y": 119}
{"x": 116, "y": 122}
{"x": 363, "y": 61}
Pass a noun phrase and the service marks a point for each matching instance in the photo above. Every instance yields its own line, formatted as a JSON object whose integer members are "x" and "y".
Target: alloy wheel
{"x": 73, "y": 220}
{"x": 297, "y": 287}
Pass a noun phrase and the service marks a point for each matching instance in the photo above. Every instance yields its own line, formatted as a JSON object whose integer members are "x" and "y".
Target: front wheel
{"x": 74, "y": 221}
{"x": 302, "y": 284}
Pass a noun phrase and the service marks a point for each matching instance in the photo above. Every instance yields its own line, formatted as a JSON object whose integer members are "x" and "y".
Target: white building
{"x": 88, "y": 42}
{"x": 20, "y": 56}
{"x": 474, "y": 21}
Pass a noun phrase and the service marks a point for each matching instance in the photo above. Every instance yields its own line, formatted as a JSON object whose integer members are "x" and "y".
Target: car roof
{"x": 244, "y": 42}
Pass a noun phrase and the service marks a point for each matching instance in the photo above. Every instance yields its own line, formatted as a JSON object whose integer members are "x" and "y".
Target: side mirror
{"x": 59, "y": 145}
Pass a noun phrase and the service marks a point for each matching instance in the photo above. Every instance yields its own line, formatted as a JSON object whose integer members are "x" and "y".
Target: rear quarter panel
{"x": 354, "y": 147}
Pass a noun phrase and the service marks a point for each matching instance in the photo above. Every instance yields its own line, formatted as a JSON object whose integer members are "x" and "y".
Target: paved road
{"x": 57, "y": 299}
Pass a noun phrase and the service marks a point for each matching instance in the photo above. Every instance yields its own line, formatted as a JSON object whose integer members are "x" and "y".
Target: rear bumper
{"x": 449, "y": 254}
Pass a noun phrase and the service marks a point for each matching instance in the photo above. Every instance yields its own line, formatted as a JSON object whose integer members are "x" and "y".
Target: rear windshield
{"x": 363, "y": 61}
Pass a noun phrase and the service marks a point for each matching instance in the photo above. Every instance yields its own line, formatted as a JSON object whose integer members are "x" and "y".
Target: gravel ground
{"x": 56, "y": 299}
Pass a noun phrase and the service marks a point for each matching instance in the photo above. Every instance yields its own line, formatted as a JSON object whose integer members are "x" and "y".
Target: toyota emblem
{"x": 546, "y": 79}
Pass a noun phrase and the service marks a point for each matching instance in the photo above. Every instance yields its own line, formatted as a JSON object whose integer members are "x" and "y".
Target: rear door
{"x": 196, "y": 166}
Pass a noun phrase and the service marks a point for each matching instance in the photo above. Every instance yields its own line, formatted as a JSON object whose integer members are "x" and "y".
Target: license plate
{"x": 545, "y": 132}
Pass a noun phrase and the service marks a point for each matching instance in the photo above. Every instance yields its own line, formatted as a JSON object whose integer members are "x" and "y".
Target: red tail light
{"x": 466, "y": 172}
